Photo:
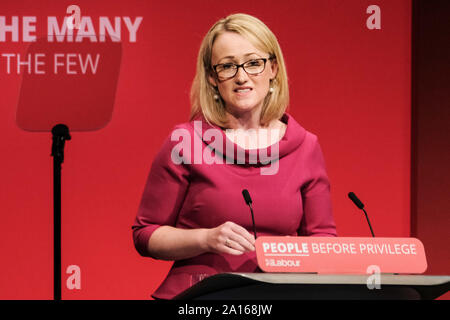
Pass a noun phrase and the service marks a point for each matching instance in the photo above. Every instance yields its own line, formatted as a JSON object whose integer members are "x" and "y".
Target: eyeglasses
{"x": 228, "y": 70}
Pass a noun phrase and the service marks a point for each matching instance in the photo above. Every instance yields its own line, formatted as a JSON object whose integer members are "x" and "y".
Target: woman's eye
{"x": 227, "y": 66}
{"x": 253, "y": 63}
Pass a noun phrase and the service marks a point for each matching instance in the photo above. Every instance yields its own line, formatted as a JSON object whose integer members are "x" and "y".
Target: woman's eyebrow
{"x": 232, "y": 57}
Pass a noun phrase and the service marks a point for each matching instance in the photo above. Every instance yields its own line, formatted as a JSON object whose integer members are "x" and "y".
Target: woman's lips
{"x": 243, "y": 91}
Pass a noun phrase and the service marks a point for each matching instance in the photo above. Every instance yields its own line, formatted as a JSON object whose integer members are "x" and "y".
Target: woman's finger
{"x": 232, "y": 247}
{"x": 242, "y": 232}
{"x": 241, "y": 243}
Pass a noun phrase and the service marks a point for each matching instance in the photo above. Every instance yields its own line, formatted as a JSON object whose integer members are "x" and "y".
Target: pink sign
{"x": 340, "y": 255}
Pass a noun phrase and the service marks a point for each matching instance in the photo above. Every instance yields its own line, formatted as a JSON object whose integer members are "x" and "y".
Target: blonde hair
{"x": 202, "y": 91}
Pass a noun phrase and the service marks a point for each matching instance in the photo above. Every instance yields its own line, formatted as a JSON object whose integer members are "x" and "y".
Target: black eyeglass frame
{"x": 241, "y": 66}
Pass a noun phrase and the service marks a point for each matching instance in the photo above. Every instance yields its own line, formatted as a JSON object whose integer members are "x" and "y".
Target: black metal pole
{"x": 60, "y": 133}
{"x": 56, "y": 229}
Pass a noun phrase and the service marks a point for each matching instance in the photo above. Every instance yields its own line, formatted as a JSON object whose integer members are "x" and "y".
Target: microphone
{"x": 248, "y": 201}
{"x": 360, "y": 205}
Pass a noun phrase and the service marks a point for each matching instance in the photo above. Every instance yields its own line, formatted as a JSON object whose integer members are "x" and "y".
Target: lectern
{"x": 297, "y": 286}
{"x": 324, "y": 268}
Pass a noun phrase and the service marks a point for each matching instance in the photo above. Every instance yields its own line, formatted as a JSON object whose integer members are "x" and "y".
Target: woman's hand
{"x": 229, "y": 238}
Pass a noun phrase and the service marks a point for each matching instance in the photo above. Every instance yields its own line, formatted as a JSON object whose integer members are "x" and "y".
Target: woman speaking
{"x": 239, "y": 137}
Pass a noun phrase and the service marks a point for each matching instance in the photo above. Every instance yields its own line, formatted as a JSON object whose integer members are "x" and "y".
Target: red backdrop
{"x": 349, "y": 85}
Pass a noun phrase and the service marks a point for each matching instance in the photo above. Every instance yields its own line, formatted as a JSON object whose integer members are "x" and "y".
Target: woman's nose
{"x": 241, "y": 76}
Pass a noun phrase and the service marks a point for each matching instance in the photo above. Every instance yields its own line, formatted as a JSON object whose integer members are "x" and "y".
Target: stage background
{"x": 349, "y": 85}
{"x": 430, "y": 174}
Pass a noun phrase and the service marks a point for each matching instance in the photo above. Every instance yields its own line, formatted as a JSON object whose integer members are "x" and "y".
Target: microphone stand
{"x": 253, "y": 220}
{"x": 368, "y": 221}
{"x": 60, "y": 133}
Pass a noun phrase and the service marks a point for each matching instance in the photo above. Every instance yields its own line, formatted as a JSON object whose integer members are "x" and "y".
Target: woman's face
{"x": 243, "y": 92}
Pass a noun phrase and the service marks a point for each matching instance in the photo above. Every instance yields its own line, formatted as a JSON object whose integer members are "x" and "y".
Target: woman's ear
{"x": 273, "y": 68}
{"x": 212, "y": 79}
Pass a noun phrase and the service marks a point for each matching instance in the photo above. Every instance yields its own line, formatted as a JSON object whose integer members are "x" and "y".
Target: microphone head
{"x": 355, "y": 200}
{"x": 246, "y": 195}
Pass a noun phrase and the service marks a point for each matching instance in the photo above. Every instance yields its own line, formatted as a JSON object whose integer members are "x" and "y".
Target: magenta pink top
{"x": 291, "y": 199}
